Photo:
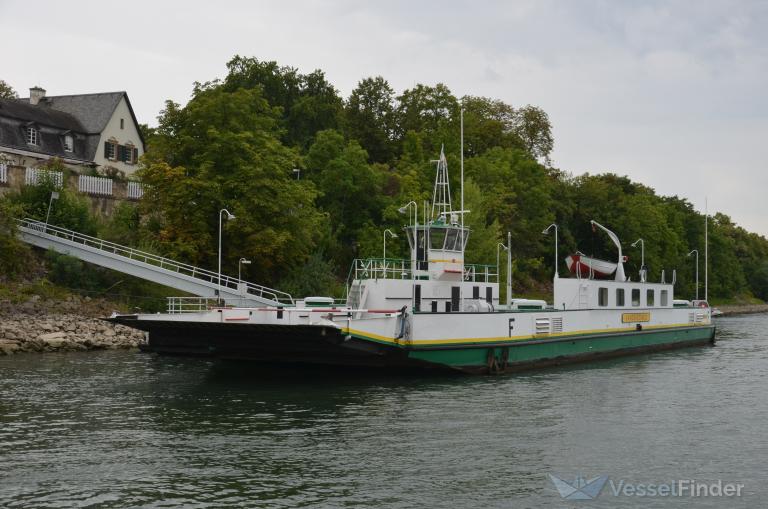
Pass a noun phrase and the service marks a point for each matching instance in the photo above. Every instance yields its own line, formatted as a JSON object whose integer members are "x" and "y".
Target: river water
{"x": 123, "y": 429}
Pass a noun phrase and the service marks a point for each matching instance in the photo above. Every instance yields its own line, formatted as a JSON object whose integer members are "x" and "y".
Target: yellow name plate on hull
{"x": 635, "y": 317}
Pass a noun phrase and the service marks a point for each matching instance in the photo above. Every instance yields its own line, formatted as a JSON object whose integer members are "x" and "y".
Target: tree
{"x": 13, "y": 252}
{"x": 370, "y": 118}
{"x": 489, "y": 123}
{"x": 431, "y": 111}
{"x": 222, "y": 151}
{"x": 532, "y": 126}
{"x": 7, "y": 91}
{"x": 308, "y": 103}
{"x": 350, "y": 188}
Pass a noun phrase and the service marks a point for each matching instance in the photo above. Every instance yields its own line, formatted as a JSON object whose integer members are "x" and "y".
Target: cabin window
{"x": 452, "y": 241}
{"x": 602, "y": 297}
{"x": 664, "y": 298}
{"x": 68, "y": 143}
{"x": 436, "y": 238}
{"x": 636, "y": 297}
{"x": 619, "y": 296}
{"x": 650, "y": 297}
{"x": 32, "y": 136}
{"x": 122, "y": 123}
{"x": 417, "y": 298}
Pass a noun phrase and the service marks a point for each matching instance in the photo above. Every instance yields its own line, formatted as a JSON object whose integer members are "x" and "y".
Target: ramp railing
{"x": 214, "y": 279}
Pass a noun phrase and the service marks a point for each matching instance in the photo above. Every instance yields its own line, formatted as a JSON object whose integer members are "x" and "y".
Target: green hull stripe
{"x": 545, "y": 350}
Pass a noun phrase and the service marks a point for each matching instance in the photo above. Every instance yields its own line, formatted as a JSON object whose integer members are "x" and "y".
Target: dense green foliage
{"x": 314, "y": 179}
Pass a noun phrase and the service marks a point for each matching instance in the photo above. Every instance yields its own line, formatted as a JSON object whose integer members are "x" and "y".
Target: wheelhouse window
{"x": 619, "y": 297}
{"x": 664, "y": 298}
{"x": 636, "y": 297}
{"x": 602, "y": 297}
{"x": 452, "y": 242}
{"x": 68, "y": 143}
{"x": 32, "y": 135}
{"x": 436, "y": 238}
{"x": 650, "y": 298}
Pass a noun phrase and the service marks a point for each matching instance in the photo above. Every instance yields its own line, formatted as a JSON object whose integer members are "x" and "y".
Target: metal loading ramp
{"x": 184, "y": 277}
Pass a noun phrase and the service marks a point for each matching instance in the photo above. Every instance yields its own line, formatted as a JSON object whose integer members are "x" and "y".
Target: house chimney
{"x": 35, "y": 94}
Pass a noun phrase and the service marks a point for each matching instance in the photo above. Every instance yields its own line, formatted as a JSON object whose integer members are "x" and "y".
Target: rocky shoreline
{"x": 72, "y": 325}
{"x": 743, "y": 309}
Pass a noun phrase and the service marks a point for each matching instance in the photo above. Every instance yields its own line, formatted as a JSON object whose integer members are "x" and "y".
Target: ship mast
{"x": 441, "y": 195}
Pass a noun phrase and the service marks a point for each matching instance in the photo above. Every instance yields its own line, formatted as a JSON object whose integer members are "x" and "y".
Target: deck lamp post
{"x": 384, "y": 263}
{"x": 54, "y": 196}
{"x": 240, "y": 263}
{"x": 545, "y": 232}
{"x": 642, "y": 258}
{"x": 402, "y": 210}
{"x": 230, "y": 216}
{"x": 697, "y": 271}
{"x": 509, "y": 266}
{"x": 406, "y": 207}
{"x": 391, "y": 234}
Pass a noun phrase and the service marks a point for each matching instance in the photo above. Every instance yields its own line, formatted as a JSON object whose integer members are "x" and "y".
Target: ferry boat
{"x": 434, "y": 311}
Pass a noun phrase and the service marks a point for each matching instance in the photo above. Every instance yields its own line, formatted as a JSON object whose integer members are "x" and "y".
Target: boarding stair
{"x": 182, "y": 276}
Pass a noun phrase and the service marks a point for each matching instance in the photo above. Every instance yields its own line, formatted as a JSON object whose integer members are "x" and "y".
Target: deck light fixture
{"x": 230, "y": 216}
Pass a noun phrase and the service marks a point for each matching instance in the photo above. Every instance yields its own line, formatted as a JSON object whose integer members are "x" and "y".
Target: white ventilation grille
{"x": 557, "y": 324}
{"x": 542, "y": 326}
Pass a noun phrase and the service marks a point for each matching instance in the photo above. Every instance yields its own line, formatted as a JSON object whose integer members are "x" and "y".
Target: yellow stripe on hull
{"x": 510, "y": 339}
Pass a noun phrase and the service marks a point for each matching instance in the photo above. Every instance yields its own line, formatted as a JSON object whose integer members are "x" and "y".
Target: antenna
{"x": 462, "y": 177}
{"x": 706, "y": 250}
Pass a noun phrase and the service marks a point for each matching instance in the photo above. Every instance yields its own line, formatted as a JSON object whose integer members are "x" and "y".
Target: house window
{"x": 602, "y": 297}
{"x": 636, "y": 297}
{"x": 619, "y": 296}
{"x": 32, "y": 136}
{"x": 650, "y": 297}
{"x": 122, "y": 123}
{"x": 128, "y": 154}
{"x": 664, "y": 298}
{"x": 110, "y": 150}
{"x": 68, "y": 143}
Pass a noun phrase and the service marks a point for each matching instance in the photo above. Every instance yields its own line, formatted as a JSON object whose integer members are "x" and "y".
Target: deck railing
{"x": 178, "y": 305}
{"x": 221, "y": 280}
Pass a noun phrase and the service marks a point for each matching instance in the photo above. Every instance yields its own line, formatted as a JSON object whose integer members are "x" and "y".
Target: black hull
{"x": 293, "y": 344}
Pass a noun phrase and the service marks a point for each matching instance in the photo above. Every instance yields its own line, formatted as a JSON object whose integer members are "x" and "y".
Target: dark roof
{"x": 17, "y": 109}
{"x": 93, "y": 110}
{"x": 52, "y": 124}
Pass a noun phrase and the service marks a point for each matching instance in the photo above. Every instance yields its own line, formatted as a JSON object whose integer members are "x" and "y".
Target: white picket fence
{"x": 134, "y": 190}
{"x": 94, "y": 185}
{"x": 33, "y": 176}
{"x": 3, "y": 174}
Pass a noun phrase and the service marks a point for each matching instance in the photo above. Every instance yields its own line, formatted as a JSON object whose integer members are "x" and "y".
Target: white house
{"x": 84, "y": 131}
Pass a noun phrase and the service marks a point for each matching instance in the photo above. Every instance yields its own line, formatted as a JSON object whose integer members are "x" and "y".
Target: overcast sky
{"x": 672, "y": 94}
